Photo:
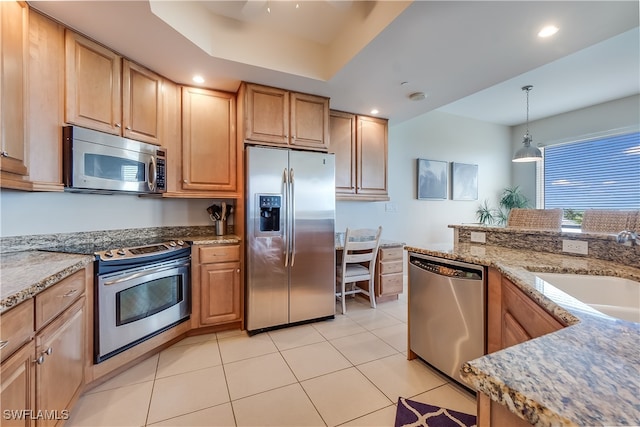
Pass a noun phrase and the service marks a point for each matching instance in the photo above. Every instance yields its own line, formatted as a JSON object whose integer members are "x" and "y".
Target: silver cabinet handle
{"x": 128, "y": 127}
{"x": 3, "y": 344}
{"x": 39, "y": 360}
{"x": 4, "y": 154}
{"x": 68, "y": 294}
{"x": 48, "y": 351}
{"x": 118, "y": 125}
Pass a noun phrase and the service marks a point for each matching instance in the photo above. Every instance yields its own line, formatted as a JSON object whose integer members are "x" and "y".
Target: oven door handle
{"x": 143, "y": 273}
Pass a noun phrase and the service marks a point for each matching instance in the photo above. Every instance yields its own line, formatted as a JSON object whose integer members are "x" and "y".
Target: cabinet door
{"x": 93, "y": 86}
{"x": 13, "y": 61}
{"x": 60, "y": 376}
{"x": 17, "y": 387}
{"x": 141, "y": 103}
{"x": 220, "y": 293}
{"x": 342, "y": 142}
{"x": 309, "y": 121}
{"x": 209, "y": 150}
{"x": 372, "y": 157}
{"x": 522, "y": 318}
{"x": 267, "y": 114}
{"x": 46, "y": 102}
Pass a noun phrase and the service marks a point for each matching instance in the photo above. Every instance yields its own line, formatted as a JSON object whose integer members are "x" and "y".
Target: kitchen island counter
{"x": 27, "y": 273}
{"x": 585, "y": 374}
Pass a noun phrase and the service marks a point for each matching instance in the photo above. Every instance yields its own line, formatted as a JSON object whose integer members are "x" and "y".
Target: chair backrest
{"x": 609, "y": 221}
{"x": 535, "y": 219}
{"x": 361, "y": 245}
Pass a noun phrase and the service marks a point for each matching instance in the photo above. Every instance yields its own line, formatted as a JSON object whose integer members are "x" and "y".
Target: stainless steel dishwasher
{"x": 446, "y": 312}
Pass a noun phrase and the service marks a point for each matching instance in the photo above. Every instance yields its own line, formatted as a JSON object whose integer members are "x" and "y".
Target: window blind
{"x": 602, "y": 173}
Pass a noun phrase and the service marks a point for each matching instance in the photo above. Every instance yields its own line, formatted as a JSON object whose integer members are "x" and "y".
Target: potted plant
{"x": 510, "y": 198}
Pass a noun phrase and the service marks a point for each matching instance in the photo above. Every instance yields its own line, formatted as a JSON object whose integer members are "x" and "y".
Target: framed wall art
{"x": 433, "y": 179}
{"x": 464, "y": 181}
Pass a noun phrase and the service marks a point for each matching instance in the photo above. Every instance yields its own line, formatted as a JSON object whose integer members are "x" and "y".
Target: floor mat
{"x": 414, "y": 414}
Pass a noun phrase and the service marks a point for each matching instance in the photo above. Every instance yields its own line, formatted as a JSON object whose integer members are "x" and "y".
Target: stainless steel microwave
{"x": 98, "y": 162}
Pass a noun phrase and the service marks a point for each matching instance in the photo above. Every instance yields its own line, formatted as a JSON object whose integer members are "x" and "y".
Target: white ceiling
{"x": 470, "y": 57}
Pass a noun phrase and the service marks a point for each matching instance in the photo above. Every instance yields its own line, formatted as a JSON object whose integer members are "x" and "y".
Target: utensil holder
{"x": 221, "y": 227}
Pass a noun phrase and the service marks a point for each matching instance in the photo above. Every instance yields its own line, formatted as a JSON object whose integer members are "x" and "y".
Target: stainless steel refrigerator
{"x": 290, "y": 237}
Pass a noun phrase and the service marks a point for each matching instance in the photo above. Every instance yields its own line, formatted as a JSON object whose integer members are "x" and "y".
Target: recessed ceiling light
{"x": 548, "y": 31}
{"x": 198, "y": 79}
{"x": 374, "y": 111}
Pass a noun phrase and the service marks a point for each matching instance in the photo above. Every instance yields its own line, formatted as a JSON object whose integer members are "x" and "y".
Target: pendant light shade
{"x": 527, "y": 153}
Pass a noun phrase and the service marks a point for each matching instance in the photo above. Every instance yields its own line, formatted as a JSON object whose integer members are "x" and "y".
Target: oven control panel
{"x": 146, "y": 251}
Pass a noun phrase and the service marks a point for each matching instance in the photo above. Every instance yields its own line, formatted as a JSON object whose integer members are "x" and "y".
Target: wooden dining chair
{"x": 358, "y": 264}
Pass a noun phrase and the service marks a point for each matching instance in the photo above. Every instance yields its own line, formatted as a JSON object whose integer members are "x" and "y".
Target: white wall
{"x": 572, "y": 126}
{"x": 24, "y": 213}
{"x": 434, "y": 136}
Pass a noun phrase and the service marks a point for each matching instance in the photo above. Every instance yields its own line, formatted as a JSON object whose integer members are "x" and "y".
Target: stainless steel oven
{"x": 140, "y": 292}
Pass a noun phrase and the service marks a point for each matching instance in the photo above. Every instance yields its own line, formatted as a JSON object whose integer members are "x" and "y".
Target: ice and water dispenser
{"x": 270, "y": 206}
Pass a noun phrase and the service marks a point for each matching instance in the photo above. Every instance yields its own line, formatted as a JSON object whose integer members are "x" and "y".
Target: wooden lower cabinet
{"x": 60, "y": 375}
{"x": 17, "y": 387}
{"x": 512, "y": 318}
{"x": 217, "y": 285}
{"x": 389, "y": 274}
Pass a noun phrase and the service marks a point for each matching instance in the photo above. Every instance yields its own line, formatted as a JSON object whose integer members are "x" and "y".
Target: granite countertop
{"x": 24, "y": 274}
{"x": 587, "y": 374}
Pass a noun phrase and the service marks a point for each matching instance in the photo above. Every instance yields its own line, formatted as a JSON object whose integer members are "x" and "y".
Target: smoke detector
{"x": 417, "y": 96}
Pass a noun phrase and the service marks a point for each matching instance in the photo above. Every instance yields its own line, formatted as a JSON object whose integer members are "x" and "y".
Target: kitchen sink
{"x": 614, "y": 296}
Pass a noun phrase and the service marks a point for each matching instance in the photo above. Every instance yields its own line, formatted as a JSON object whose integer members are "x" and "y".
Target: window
{"x": 602, "y": 173}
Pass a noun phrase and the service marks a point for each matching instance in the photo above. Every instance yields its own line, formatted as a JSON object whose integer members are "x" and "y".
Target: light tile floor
{"x": 348, "y": 371}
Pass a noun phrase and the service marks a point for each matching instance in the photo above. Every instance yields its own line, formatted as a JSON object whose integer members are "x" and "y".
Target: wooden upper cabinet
{"x": 371, "y": 152}
{"x": 309, "y": 121}
{"x": 209, "y": 150}
{"x": 92, "y": 85}
{"x": 275, "y": 116}
{"x": 342, "y": 143}
{"x": 267, "y": 114}
{"x": 14, "y": 23}
{"x": 108, "y": 93}
{"x": 141, "y": 103}
{"x": 360, "y": 146}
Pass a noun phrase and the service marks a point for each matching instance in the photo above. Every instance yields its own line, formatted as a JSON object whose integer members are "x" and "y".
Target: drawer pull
{"x": 71, "y": 292}
{"x": 39, "y": 360}
{"x": 3, "y": 344}
{"x": 47, "y": 351}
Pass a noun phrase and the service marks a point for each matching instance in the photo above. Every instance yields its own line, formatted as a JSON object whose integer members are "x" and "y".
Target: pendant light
{"x": 527, "y": 153}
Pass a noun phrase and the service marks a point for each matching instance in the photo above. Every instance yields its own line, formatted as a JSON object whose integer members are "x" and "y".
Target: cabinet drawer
{"x": 533, "y": 319}
{"x": 388, "y": 254}
{"x": 390, "y": 267}
{"x": 219, "y": 254}
{"x": 54, "y": 300}
{"x": 16, "y": 328}
{"x": 390, "y": 284}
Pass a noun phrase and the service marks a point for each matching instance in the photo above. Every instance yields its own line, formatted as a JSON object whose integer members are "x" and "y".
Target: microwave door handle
{"x": 152, "y": 174}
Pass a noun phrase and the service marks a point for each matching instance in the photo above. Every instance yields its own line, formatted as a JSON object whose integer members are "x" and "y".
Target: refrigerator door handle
{"x": 293, "y": 216}
{"x": 285, "y": 181}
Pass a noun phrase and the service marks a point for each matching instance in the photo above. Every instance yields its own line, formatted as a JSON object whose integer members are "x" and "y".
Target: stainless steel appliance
{"x": 140, "y": 292}
{"x": 290, "y": 237}
{"x": 99, "y": 162}
{"x": 446, "y": 312}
